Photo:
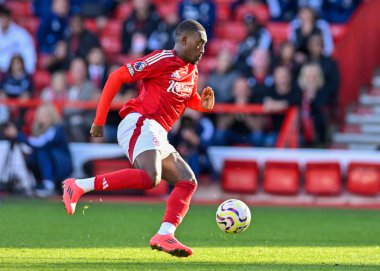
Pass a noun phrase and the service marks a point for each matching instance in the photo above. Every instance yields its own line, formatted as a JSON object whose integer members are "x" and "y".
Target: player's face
{"x": 196, "y": 47}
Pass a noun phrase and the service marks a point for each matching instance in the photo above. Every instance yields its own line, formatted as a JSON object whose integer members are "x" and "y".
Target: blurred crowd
{"x": 69, "y": 46}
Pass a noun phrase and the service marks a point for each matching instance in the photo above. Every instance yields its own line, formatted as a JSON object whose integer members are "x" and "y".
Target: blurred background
{"x": 297, "y": 87}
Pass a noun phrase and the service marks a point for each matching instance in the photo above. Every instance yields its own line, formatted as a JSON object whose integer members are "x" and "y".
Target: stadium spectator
{"x": 204, "y": 11}
{"x": 313, "y": 106}
{"x": 16, "y": 83}
{"x": 97, "y": 67}
{"x": 138, "y": 28}
{"x": 92, "y": 8}
{"x": 305, "y": 25}
{"x": 60, "y": 60}
{"x": 280, "y": 97}
{"x": 88, "y": 8}
{"x": 54, "y": 27}
{"x": 50, "y": 158}
{"x": 42, "y": 8}
{"x": 79, "y": 121}
{"x": 80, "y": 40}
{"x": 329, "y": 67}
{"x": 191, "y": 136}
{"x": 237, "y": 3}
{"x": 286, "y": 57}
{"x": 239, "y": 128}
{"x": 286, "y": 10}
{"x": 282, "y": 10}
{"x": 260, "y": 78}
{"x": 222, "y": 78}
{"x": 339, "y": 11}
{"x": 257, "y": 37}
{"x": 163, "y": 35}
{"x": 57, "y": 91}
{"x": 15, "y": 40}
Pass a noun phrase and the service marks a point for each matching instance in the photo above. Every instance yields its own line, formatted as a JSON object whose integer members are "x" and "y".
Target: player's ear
{"x": 184, "y": 40}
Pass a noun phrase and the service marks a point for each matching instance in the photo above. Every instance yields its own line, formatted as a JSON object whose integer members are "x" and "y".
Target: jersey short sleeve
{"x": 148, "y": 66}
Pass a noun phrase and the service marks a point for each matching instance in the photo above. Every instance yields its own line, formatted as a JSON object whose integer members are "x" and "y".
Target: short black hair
{"x": 191, "y": 26}
{"x": 5, "y": 11}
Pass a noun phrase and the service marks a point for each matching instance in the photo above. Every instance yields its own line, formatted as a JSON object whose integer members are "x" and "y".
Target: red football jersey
{"x": 168, "y": 85}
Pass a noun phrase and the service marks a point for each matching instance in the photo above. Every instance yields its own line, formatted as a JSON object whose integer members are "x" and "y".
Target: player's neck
{"x": 178, "y": 54}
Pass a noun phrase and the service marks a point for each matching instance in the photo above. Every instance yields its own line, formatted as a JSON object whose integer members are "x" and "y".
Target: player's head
{"x": 190, "y": 40}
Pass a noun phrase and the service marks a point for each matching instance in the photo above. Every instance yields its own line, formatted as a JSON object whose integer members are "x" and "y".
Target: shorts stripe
{"x": 135, "y": 136}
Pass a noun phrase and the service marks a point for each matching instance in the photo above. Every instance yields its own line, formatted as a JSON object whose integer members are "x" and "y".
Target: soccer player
{"x": 169, "y": 85}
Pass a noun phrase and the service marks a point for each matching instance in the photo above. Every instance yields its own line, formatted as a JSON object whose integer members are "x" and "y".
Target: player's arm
{"x": 112, "y": 86}
{"x": 204, "y": 102}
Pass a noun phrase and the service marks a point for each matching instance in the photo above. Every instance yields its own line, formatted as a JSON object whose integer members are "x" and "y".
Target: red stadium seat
{"x": 240, "y": 176}
{"x": 41, "y": 79}
{"x": 279, "y": 31}
{"x": 222, "y": 12}
{"x": 31, "y": 24}
{"x": 224, "y": 2}
{"x": 167, "y": 9}
{"x": 103, "y": 166}
{"x": 161, "y": 190}
{"x": 110, "y": 43}
{"x": 323, "y": 178}
{"x": 235, "y": 31}
{"x": 90, "y": 25}
{"x": 215, "y": 45}
{"x": 363, "y": 178}
{"x": 19, "y": 8}
{"x": 43, "y": 60}
{"x": 259, "y": 11}
{"x": 123, "y": 10}
{"x": 113, "y": 27}
{"x": 120, "y": 58}
{"x": 281, "y": 177}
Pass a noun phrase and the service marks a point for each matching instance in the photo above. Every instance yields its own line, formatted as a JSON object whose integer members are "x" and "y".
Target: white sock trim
{"x": 166, "y": 228}
{"x": 87, "y": 184}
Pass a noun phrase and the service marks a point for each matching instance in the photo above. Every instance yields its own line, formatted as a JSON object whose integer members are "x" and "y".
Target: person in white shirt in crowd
{"x": 15, "y": 40}
{"x": 304, "y": 26}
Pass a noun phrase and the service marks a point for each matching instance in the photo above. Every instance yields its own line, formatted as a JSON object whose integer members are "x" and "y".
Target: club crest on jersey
{"x": 139, "y": 66}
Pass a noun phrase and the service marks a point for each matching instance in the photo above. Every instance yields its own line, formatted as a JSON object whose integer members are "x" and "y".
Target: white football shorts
{"x": 137, "y": 134}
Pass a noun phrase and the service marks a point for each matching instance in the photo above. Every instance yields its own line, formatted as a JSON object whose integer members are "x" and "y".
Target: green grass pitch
{"x": 39, "y": 235}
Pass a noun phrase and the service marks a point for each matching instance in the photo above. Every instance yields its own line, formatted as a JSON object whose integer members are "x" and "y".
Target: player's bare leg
{"x": 146, "y": 175}
{"x": 177, "y": 172}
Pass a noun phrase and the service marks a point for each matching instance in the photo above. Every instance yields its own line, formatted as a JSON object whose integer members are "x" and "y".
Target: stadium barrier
{"x": 288, "y": 136}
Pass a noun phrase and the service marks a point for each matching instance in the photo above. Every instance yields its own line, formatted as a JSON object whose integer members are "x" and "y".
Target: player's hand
{"x": 207, "y": 98}
{"x": 96, "y": 130}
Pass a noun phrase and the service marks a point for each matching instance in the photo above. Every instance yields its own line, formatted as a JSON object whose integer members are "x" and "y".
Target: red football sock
{"x": 179, "y": 201}
{"x": 126, "y": 178}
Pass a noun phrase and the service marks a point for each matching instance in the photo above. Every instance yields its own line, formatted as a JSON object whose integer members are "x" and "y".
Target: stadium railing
{"x": 288, "y": 136}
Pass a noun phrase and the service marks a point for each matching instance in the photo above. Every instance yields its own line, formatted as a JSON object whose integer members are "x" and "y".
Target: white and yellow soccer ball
{"x": 233, "y": 216}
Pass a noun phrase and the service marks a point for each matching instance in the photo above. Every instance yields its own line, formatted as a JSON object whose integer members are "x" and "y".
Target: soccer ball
{"x": 233, "y": 216}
